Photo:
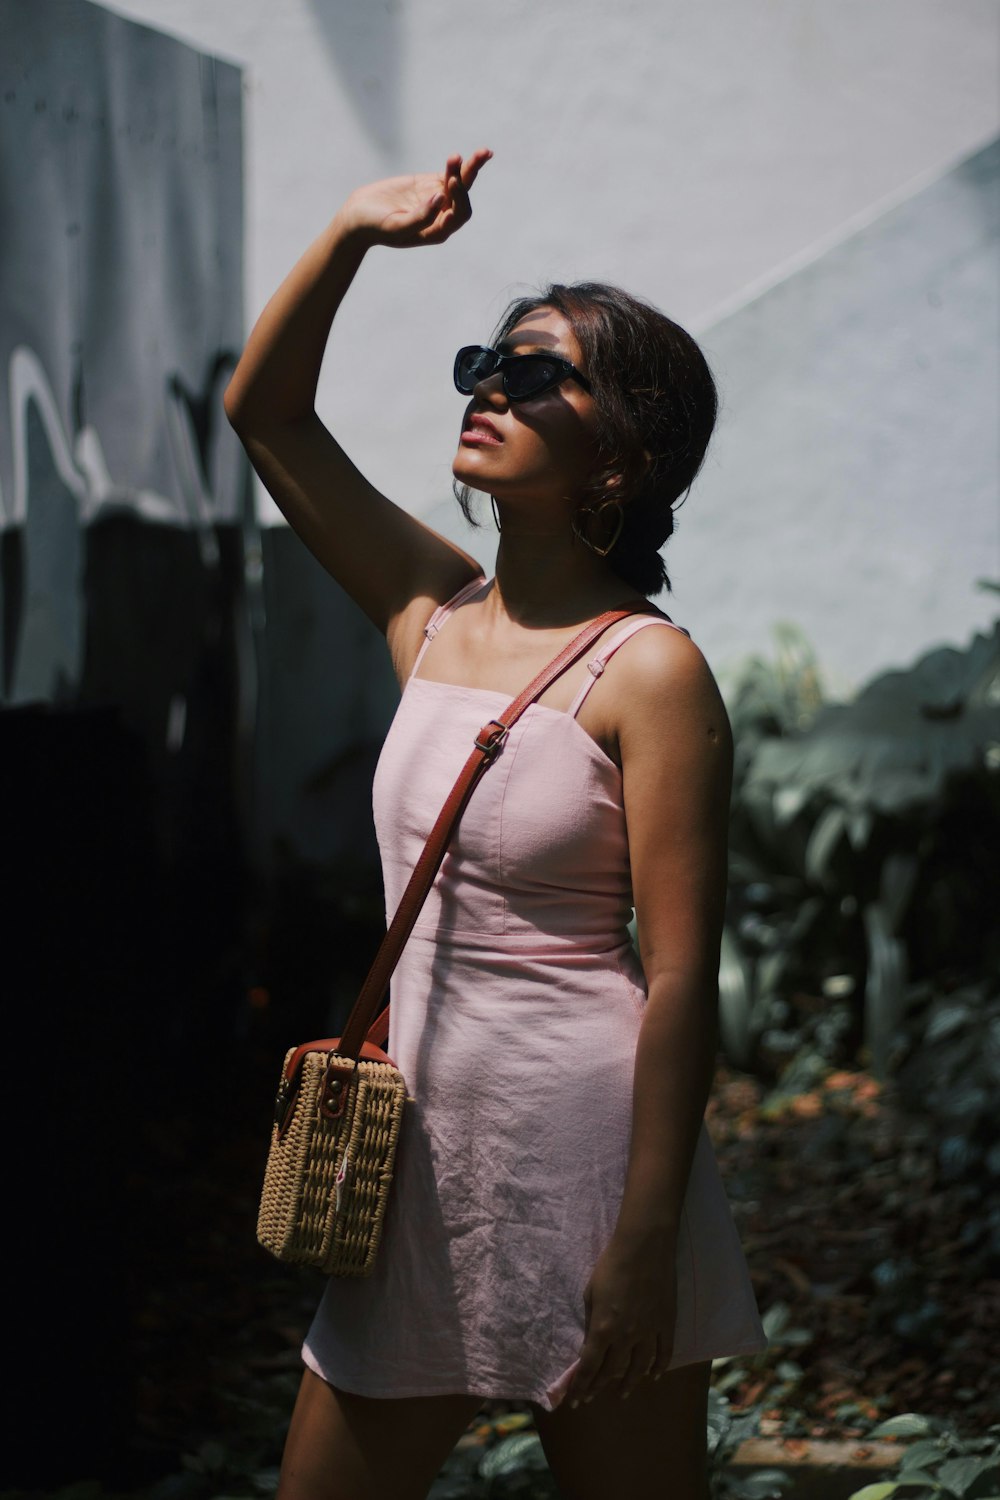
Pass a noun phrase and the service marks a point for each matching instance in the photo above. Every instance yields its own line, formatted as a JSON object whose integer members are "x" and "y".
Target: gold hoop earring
{"x": 619, "y": 523}
{"x": 496, "y": 518}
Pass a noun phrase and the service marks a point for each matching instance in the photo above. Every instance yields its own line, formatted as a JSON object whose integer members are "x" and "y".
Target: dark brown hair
{"x": 656, "y": 403}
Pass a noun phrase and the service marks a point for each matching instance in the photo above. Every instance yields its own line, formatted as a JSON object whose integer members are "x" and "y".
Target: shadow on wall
{"x": 363, "y": 43}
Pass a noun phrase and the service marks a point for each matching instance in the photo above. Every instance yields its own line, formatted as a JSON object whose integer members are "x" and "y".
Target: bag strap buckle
{"x": 490, "y": 739}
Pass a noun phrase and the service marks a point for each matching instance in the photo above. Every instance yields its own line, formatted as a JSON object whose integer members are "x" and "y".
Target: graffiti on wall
{"x": 120, "y": 311}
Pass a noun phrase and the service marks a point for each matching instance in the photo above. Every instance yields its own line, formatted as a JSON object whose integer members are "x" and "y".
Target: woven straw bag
{"x": 326, "y": 1184}
{"x": 340, "y": 1100}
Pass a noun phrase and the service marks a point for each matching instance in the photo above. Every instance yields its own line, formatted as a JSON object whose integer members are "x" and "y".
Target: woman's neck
{"x": 548, "y": 579}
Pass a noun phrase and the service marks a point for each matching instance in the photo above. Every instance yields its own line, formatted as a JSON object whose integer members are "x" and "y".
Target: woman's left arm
{"x": 677, "y": 765}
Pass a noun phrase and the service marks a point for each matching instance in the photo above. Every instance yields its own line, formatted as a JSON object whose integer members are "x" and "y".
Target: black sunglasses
{"x": 524, "y": 375}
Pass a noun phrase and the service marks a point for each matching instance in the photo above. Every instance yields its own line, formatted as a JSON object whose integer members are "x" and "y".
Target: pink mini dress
{"x": 516, "y": 1008}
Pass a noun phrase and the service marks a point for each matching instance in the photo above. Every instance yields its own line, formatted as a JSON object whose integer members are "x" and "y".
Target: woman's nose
{"x": 490, "y": 388}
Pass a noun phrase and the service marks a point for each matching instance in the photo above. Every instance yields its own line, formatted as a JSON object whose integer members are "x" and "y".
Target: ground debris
{"x": 877, "y": 1282}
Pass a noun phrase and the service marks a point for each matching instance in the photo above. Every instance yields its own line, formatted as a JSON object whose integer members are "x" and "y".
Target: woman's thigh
{"x": 653, "y": 1444}
{"x": 346, "y": 1447}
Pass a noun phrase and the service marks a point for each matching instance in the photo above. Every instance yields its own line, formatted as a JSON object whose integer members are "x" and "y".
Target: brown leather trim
{"x": 378, "y": 1031}
{"x": 291, "y": 1077}
{"x": 369, "y": 1050}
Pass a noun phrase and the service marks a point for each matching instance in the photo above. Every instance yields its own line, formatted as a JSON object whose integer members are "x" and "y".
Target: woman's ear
{"x": 614, "y": 484}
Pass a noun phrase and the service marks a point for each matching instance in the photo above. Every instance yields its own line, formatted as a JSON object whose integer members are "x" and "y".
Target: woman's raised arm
{"x": 382, "y": 556}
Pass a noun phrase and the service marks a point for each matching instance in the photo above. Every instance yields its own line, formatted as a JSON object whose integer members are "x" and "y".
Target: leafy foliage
{"x": 863, "y": 885}
{"x": 725, "y": 1433}
{"x": 940, "y": 1464}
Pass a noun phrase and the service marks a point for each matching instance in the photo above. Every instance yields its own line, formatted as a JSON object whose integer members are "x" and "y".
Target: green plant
{"x": 940, "y": 1464}
{"x": 859, "y": 852}
{"x": 947, "y": 1065}
{"x": 725, "y": 1433}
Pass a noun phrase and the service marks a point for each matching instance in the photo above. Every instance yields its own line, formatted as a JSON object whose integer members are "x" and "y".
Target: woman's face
{"x": 544, "y": 448}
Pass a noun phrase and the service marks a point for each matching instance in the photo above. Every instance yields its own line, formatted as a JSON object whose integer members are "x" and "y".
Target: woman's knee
{"x": 342, "y": 1446}
{"x": 653, "y": 1444}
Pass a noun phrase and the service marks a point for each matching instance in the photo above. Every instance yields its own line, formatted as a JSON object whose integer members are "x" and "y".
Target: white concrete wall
{"x": 694, "y": 153}
{"x": 853, "y": 485}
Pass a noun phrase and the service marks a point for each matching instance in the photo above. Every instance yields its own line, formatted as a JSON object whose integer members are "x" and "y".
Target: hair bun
{"x": 636, "y": 555}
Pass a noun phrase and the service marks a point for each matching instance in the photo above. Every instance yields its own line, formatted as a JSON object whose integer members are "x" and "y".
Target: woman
{"x": 557, "y": 1230}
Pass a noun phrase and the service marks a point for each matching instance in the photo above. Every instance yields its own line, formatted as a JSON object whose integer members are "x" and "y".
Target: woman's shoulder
{"x": 651, "y": 642}
{"x": 433, "y": 597}
{"x": 663, "y": 676}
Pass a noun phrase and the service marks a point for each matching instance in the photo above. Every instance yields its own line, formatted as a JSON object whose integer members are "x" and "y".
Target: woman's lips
{"x": 481, "y": 433}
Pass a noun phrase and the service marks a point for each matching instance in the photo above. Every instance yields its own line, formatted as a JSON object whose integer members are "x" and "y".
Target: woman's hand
{"x": 631, "y": 1314}
{"x": 420, "y": 210}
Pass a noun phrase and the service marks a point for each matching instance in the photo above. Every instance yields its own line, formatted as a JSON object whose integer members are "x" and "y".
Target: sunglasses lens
{"x": 472, "y": 365}
{"x": 529, "y": 377}
{"x": 523, "y": 375}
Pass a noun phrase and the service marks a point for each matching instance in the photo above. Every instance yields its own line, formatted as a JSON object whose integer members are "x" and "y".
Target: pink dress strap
{"x": 442, "y": 612}
{"x": 596, "y": 664}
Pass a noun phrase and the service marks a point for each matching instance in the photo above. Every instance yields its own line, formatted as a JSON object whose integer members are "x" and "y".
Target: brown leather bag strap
{"x": 360, "y": 1025}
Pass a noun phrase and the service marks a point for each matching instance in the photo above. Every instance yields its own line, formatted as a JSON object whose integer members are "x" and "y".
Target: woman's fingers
{"x": 473, "y": 164}
{"x": 613, "y": 1371}
{"x": 591, "y": 1356}
{"x": 452, "y": 175}
{"x": 611, "y": 1367}
{"x": 664, "y": 1354}
{"x": 437, "y": 220}
{"x": 421, "y": 209}
{"x": 602, "y": 1365}
{"x": 444, "y": 199}
{"x": 640, "y": 1365}
{"x": 457, "y": 191}
{"x": 435, "y": 203}
{"x": 583, "y": 1387}
{"x": 447, "y": 207}
{"x": 461, "y": 174}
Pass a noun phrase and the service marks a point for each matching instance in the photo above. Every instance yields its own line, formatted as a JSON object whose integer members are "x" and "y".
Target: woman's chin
{"x": 467, "y": 471}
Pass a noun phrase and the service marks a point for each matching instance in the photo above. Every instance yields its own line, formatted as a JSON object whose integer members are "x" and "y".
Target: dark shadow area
{"x": 363, "y": 44}
{"x": 153, "y": 979}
